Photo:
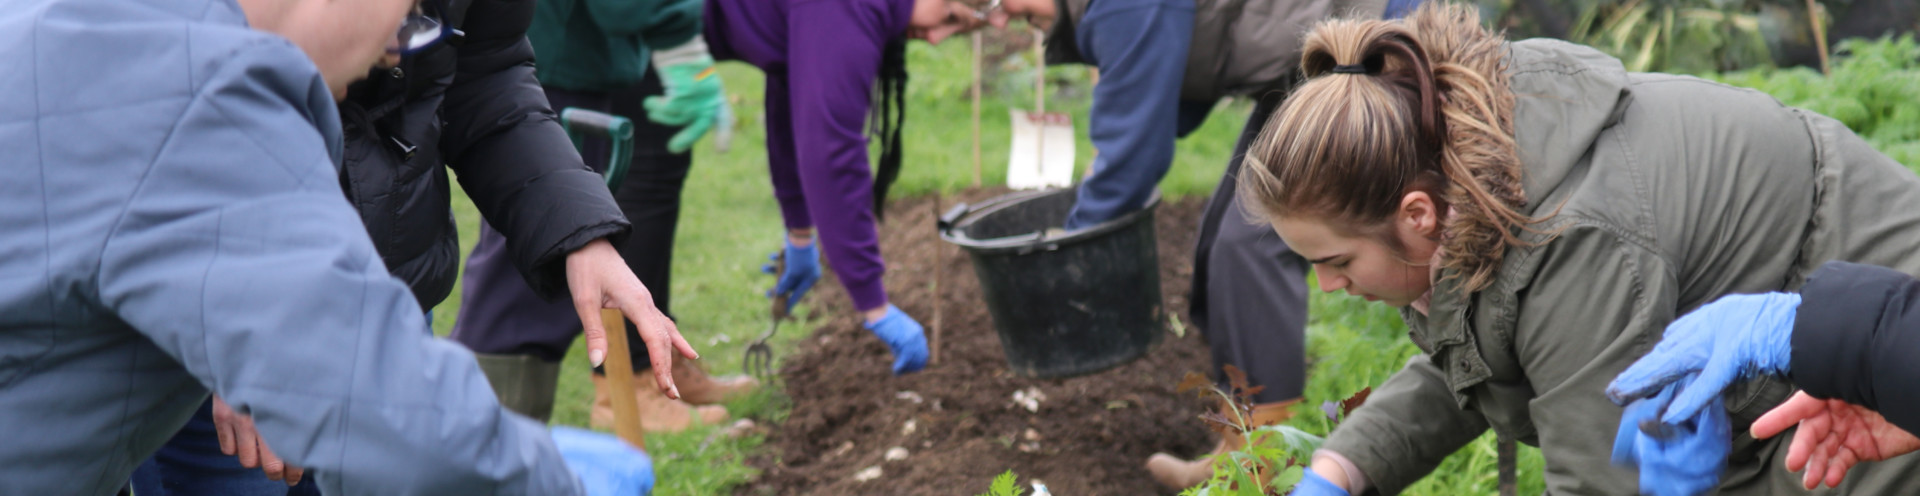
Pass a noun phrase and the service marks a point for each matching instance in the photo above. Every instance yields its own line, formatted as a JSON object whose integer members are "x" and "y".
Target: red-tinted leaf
{"x": 1235, "y": 377}
{"x": 1352, "y": 402}
{"x": 1192, "y": 381}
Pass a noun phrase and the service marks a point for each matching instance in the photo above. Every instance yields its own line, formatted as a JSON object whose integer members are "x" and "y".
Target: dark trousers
{"x": 499, "y": 314}
{"x": 1249, "y": 289}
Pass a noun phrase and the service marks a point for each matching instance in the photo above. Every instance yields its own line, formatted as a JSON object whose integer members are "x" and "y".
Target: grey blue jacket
{"x": 1163, "y": 65}
{"x": 1670, "y": 192}
{"x": 171, "y": 222}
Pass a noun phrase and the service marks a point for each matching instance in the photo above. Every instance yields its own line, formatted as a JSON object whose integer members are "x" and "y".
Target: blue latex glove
{"x": 905, "y": 336}
{"x": 803, "y": 269}
{"x": 1734, "y": 338}
{"x": 1312, "y": 484}
{"x": 1678, "y": 459}
{"x": 606, "y": 465}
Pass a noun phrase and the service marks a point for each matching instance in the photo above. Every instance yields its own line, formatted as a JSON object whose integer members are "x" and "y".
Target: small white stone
{"x": 910, "y": 396}
{"x": 912, "y": 425}
{"x": 896, "y": 454}
{"x": 870, "y": 473}
{"x": 1031, "y": 435}
{"x": 1029, "y": 398}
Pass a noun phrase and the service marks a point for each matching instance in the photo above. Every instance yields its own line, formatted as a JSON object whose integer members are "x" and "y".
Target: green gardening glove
{"x": 695, "y": 100}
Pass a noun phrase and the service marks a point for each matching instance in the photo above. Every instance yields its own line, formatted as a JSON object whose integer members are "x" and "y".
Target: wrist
{"x": 1336, "y": 468}
{"x": 693, "y": 51}
{"x": 800, "y": 238}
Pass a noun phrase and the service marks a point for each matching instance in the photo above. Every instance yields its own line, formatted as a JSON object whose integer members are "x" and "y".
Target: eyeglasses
{"x": 419, "y": 32}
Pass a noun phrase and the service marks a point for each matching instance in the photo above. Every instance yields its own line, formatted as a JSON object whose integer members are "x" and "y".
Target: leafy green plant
{"x": 1006, "y": 484}
{"x": 1872, "y": 91}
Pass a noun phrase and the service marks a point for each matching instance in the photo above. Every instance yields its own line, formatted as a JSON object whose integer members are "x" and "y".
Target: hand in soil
{"x": 599, "y": 278}
{"x": 1834, "y": 435}
{"x": 240, "y": 439}
{"x": 905, "y": 336}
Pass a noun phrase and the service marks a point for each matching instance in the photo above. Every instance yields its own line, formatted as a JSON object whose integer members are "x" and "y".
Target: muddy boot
{"x": 524, "y": 383}
{"x": 1178, "y": 474}
{"x": 698, "y": 388}
{"x": 658, "y": 413}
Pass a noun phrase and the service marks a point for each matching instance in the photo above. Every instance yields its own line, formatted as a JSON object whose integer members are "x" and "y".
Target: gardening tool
{"x": 1043, "y": 144}
{"x": 759, "y": 357}
{"x": 579, "y": 124}
{"x": 619, "y": 367}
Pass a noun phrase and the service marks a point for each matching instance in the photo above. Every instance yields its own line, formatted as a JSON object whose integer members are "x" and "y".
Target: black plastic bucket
{"x": 1063, "y": 303}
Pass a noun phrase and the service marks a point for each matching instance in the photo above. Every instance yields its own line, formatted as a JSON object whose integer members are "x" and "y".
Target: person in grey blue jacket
{"x": 173, "y": 224}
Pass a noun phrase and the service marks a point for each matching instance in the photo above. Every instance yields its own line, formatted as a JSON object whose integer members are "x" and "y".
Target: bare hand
{"x": 1834, "y": 435}
{"x": 238, "y": 438}
{"x": 599, "y": 278}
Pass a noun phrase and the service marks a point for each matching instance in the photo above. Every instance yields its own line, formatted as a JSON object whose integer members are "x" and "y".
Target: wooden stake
{"x": 1040, "y": 95}
{"x": 939, "y": 266}
{"x": 619, "y": 368}
{"x": 1819, "y": 36}
{"x": 977, "y": 47}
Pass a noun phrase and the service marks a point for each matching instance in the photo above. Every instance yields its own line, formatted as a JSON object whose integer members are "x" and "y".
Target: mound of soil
{"x": 957, "y": 421}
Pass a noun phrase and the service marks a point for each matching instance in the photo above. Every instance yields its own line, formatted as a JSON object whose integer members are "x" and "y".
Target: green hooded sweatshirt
{"x": 1672, "y": 191}
{"x": 603, "y": 45}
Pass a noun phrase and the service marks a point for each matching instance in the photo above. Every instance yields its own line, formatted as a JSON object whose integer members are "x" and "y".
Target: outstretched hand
{"x": 599, "y": 278}
{"x": 1834, "y": 436}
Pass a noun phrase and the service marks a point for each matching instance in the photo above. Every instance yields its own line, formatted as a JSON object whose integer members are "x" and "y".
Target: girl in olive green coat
{"x": 1541, "y": 215}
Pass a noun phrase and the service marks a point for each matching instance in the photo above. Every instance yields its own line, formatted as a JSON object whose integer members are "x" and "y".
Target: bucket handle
{"x": 953, "y": 215}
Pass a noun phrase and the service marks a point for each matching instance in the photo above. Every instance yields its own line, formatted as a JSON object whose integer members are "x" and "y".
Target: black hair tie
{"x": 1349, "y": 69}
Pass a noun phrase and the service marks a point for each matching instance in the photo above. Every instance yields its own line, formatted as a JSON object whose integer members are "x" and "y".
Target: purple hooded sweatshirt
{"x": 820, "y": 58}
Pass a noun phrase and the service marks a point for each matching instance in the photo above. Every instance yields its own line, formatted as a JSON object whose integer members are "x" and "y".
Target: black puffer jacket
{"x": 472, "y": 104}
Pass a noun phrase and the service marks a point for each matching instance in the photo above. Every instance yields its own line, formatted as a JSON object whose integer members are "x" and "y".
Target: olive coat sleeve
{"x": 511, "y": 155}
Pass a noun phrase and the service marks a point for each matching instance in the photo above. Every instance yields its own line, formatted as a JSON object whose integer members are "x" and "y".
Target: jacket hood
{"x": 1564, "y": 96}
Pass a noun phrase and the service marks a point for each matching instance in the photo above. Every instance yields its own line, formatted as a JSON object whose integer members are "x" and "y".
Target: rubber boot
{"x": 1178, "y": 474}
{"x": 658, "y": 413}
{"x": 698, "y": 388}
{"x": 524, "y": 383}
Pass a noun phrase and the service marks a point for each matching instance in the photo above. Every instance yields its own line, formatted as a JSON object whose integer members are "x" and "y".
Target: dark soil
{"x": 1091, "y": 435}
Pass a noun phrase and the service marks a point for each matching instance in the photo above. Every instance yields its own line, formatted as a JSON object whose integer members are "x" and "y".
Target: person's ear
{"x": 1419, "y": 215}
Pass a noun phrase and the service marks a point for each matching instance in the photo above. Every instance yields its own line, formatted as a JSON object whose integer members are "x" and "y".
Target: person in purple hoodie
{"x": 824, "y": 61}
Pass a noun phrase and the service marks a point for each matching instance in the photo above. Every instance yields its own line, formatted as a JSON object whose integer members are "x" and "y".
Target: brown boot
{"x": 1175, "y": 473}
{"x": 658, "y": 413}
{"x": 698, "y": 388}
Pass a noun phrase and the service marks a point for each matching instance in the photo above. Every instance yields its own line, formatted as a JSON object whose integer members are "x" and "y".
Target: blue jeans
{"x": 191, "y": 464}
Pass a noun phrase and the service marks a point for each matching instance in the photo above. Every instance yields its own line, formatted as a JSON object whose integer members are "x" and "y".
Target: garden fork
{"x": 759, "y": 357}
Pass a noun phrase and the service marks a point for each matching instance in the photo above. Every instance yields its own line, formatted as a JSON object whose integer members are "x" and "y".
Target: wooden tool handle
{"x": 619, "y": 368}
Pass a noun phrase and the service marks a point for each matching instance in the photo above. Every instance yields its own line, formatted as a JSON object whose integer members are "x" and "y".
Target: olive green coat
{"x": 1672, "y": 191}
